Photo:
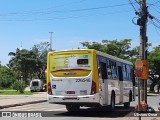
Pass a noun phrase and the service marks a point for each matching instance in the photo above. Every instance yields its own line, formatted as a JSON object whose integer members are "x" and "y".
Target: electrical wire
{"x": 155, "y": 26}
{"x": 61, "y": 11}
{"x": 67, "y": 17}
{"x": 50, "y": 11}
{"x": 133, "y": 6}
{"x": 133, "y": 20}
{"x": 138, "y": 2}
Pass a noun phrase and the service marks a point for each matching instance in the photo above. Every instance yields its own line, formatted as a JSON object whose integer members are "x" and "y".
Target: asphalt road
{"x": 60, "y": 112}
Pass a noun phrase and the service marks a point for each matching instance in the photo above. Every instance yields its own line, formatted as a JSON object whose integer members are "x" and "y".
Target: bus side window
{"x": 114, "y": 69}
{"x": 128, "y": 72}
{"x": 99, "y": 69}
{"x": 103, "y": 70}
{"x": 124, "y": 72}
{"x": 109, "y": 72}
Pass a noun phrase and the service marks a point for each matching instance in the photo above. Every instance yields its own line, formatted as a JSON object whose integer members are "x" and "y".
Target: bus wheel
{"x": 72, "y": 108}
{"x": 127, "y": 104}
{"x": 112, "y": 106}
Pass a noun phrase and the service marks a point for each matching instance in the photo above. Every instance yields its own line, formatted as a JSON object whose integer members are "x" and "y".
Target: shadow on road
{"x": 92, "y": 112}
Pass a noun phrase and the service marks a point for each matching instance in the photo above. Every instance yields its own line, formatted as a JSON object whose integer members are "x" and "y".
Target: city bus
{"x": 86, "y": 77}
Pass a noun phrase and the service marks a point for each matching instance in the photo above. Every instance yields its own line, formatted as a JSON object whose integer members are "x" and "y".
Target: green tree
{"x": 6, "y": 77}
{"x": 29, "y": 63}
{"x": 116, "y": 48}
{"x": 154, "y": 66}
{"x": 42, "y": 50}
{"x": 23, "y": 63}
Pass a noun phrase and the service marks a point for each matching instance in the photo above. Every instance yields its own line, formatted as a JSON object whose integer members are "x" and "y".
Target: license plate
{"x": 70, "y": 92}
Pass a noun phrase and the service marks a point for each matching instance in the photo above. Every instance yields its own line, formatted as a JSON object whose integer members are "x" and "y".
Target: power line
{"x": 153, "y": 4}
{"x": 67, "y": 17}
{"x": 61, "y": 11}
{"x": 133, "y": 6}
{"x": 155, "y": 26}
{"x": 39, "y": 11}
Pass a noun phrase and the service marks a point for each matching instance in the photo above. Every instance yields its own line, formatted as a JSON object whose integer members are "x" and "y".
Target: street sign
{"x": 145, "y": 70}
{"x": 138, "y": 68}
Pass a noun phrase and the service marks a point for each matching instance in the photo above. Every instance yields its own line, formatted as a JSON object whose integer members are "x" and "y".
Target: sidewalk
{"x": 18, "y": 100}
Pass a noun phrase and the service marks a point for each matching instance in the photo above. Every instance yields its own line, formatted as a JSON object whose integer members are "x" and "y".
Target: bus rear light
{"x": 49, "y": 88}
{"x": 93, "y": 89}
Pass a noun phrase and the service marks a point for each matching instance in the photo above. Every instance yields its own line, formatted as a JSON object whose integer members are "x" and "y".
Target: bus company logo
{"x": 6, "y": 114}
{"x": 66, "y": 62}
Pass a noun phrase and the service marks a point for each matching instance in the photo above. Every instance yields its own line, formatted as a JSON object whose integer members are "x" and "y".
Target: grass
{"x": 6, "y": 88}
{"x": 13, "y": 92}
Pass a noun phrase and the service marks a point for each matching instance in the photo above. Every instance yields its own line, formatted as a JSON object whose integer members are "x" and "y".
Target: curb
{"x": 21, "y": 104}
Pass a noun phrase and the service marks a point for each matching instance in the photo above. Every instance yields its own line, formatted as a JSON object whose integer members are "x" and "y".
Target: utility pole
{"x": 143, "y": 45}
{"x": 21, "y": 46}
{"x": 51, "y": 40}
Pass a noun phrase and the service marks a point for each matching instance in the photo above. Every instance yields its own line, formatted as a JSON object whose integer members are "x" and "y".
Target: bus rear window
{"x": 82, "y": 61}
{"x": 35, "y": 83}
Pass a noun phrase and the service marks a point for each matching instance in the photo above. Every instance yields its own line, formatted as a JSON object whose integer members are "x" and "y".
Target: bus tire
{"x": 127, "y": 104}
{"x": 72, "y": 108}
{"x": 112, "y": 106}
{"x": 41, "y": 90}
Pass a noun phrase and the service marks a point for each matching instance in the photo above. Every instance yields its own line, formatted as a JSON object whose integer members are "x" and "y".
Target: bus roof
{"x": 113, "y": 57}
{"x": 97, "y": 52}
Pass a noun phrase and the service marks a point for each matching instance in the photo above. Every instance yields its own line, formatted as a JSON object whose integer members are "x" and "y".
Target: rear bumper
{"x": 35, "y": 89}
{"x": 85, "y": 99}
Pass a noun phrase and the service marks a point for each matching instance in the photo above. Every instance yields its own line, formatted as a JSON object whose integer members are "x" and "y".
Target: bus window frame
{"x": 127, "y": 72}
{"x": 102, "y": 67}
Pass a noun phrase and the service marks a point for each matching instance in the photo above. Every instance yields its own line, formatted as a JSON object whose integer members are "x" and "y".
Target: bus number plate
{"x": 70, "y": 92}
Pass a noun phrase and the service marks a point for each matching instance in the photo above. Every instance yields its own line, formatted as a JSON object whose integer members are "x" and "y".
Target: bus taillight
{"x": 93, "y": 89}
{"x": 49, "y": 89}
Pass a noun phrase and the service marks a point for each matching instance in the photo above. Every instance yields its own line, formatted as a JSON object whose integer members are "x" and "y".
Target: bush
{"x": 6, "y": 82}
{"x": 6, "y": 77}
{"x": 19, "y": 86}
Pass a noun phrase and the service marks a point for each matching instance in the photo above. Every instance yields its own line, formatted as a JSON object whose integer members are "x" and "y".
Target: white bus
{"x": 86, "y": 77}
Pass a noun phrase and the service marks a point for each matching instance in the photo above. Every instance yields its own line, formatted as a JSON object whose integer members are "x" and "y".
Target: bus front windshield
{"x": 70, "y": 61}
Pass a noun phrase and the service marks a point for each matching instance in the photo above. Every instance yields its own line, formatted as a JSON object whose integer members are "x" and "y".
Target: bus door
{"x": 120, "y": 75}
{"x": 103, "y": 79}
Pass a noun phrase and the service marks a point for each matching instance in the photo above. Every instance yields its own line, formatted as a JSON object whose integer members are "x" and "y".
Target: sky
{"x": 24, "y": 23}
